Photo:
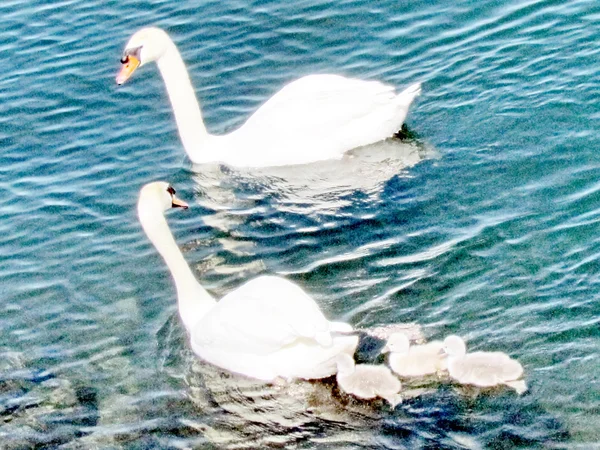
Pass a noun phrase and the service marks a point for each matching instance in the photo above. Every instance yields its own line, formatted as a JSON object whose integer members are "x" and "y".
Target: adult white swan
{"x": 314, "y": 118}
{"x": 265, "y": 329}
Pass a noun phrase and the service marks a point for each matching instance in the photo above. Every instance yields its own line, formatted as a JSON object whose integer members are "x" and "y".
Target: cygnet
{"x": 484, "y": 369}
{"x": 414, "y": 360}
{"x": 367, "y": 381}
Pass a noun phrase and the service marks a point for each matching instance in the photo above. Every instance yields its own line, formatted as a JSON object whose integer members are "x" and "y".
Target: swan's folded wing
{"x": 260, "y": 317}
{"x": 317, "y": 102}
{"x": 320, "y": 117}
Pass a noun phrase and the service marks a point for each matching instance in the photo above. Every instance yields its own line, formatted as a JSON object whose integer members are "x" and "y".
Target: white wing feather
{"x": 317, "y": 117}
{"x": 321, "y": 101}
{"x": 260, "y": 317}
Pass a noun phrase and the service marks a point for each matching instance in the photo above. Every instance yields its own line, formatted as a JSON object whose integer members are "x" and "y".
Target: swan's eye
{"x": 171, "y": 190}
{"x": 125, "y": 59}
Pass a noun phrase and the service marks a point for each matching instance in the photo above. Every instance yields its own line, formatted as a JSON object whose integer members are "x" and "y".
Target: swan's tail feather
{"x": 407, "y": 96}
{"x": 393, "y": 399}
{"x": 518, "y": 385}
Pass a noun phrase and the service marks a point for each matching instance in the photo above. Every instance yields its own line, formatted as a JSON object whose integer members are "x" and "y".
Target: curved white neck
{"x": 192, "y": 299}
{"x": 186, "y": 108}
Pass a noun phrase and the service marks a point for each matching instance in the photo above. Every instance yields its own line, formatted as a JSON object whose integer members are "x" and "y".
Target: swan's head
{"x": 397, "y": 343}
{"x": 454, "y": 346}
{"x": 146, "y": 45}
{"x": 158, "y": 197}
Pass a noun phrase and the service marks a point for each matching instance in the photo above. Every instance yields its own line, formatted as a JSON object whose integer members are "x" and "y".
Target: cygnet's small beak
{"x": 177, "y": 203}
{"x": 128, "y": 65}
{"x": 442, "y": 352}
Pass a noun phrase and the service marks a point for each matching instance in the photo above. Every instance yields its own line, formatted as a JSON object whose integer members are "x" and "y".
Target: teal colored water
{"x": 486, "y": 223}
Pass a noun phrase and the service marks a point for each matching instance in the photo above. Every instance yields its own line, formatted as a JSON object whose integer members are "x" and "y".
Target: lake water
{"x": 485, "y": 223}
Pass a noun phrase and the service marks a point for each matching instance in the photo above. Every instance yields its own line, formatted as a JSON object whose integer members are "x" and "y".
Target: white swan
{"x": 367, "y": 381}
{"x": 265, "y": 329}
{"x": 484, "y": 369}
{"x": 414, "y": 360}
{"x": 314, "y": 118}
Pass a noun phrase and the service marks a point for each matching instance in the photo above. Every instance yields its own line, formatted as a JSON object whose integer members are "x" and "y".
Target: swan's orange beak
{"x": 128, "y": 66}
{"x": 177, "y": 203}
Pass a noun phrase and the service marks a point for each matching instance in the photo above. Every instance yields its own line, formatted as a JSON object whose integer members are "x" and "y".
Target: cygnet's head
{"x": 397, "y": 343}
{"x": 345, "y": 364}
{"x": 158, "y": 196}
{"x": 146, "y": 45}
{"x": 454, "y": 346}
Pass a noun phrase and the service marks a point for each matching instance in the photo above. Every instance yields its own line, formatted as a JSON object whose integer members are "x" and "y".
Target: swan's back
{"x": 318, "y": 117}
{"x": 315, "y": 99}
{"x": 270, "y": 327}
{"x": 260, "y": 317}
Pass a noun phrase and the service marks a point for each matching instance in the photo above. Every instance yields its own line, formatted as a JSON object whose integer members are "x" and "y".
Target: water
{"x": 485, "y": 224}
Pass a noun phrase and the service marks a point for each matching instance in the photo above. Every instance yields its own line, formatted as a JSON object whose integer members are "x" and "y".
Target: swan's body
{"x": 414, "y": 360}
{"x": 265, "y": 329}
{"x": 367, "y": 381}
{"x": 484, "y": 369}
{"x": 314, "y": 118}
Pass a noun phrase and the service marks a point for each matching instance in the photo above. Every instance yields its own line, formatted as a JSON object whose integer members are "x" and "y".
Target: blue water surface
{"x": 485, "y": 222}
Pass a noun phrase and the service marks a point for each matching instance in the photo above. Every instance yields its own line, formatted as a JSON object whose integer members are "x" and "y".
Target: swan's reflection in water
{"x": 322, "y": 187}
{"x": 250, "y": 414}
{"x": 264, "y": 215}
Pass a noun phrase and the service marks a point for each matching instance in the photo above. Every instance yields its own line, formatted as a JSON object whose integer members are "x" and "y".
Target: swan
{"x": 314, "y": 118}
{"x": 267, "y": 329}
{"x": 414, "y": 360}
{"x": 367, "y": 381}
{"x": 484, "y": 369}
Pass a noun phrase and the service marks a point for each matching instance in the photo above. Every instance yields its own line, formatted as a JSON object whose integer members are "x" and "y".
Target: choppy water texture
{"x": 485, "y": 224}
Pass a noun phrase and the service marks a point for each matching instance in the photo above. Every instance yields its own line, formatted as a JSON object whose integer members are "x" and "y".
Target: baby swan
{"x": 367, "y": 381}
{"x": 484, "y": 369}
{"x": 414, "y": 360}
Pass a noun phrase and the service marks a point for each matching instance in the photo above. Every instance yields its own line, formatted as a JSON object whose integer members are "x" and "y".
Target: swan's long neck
{"x": 186, "y": 108}
{"x": 193, "y": 300}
